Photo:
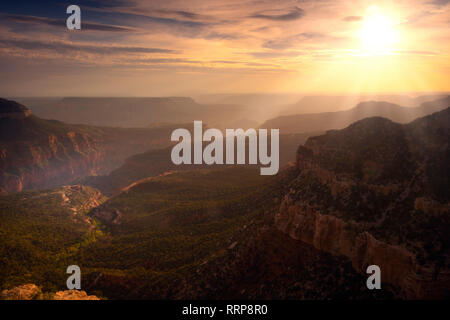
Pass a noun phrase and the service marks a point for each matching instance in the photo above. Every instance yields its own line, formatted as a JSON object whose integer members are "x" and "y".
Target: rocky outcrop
{"x": 71, "y": 196}
{"x": 73, "y": 295}
{"x": 373, "y": 193}
{"x": 33, "y": 292}
{"x": 333, "y": 235}
{"x": 25, "y": 292}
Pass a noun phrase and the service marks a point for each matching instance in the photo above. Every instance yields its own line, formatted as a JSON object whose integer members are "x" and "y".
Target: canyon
{"x": 375, "y": 192}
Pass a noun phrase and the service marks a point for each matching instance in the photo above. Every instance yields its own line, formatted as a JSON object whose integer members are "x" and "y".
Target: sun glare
{"x": 378, "y": 33}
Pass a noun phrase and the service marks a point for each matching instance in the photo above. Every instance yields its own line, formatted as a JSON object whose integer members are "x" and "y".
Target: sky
{"x": 179, "y": 48}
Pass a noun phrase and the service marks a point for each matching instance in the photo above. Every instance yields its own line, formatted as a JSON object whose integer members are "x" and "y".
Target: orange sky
{"x": 157, "y": 48}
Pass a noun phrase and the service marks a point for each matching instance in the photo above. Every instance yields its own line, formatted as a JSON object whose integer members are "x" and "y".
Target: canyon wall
{"x": 37, "y": 153}
{"x": 333, "y": 235}
{"x": 59, "y": 159}
{"x": 373, "y": 193}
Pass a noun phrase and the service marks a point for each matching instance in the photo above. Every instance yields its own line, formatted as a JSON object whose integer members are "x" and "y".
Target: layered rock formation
{"x": 36, "y": 153}
{"x": 399, "y": 266}
{"x": 377, "y": 193}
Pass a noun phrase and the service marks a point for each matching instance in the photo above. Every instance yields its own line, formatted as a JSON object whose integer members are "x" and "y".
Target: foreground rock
{"x": 73, "y": 295}
{"x": 33, "y": 292}
{"x": 25, "y": 292}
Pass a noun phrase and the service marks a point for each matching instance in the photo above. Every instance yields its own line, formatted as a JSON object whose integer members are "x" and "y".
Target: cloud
{"x": 195, "y": 62}
{"x": 439, "y": 3}
{"x": 105, "y": 3}
{"x": 291, "y": 41}
{"x": 182, "y": 14}
{"x": 352, "y": 18}
{"x": 294, "y": 14}
{"x": 133, "y": 22}
{"x": 131, "y": 18}
{"x": 63, "y": 48}
{"x": 221, "y": 36}
{"x": 274, "y": 54}
{"x": 62, "y": 23}
{"x": 129, "y": 22}
{"x": 416, "y": 52}
{"x": 196, "y": 26}
{"x": 170, "y": 21}
{"x": 226, "y": 62}
{"x": 162, "y": 61}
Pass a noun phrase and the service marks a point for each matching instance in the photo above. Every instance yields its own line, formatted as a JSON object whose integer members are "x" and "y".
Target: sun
{"x": 378, "y": 33}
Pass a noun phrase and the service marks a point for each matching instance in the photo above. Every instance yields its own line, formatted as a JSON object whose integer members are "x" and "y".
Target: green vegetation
{"x": 40, "y": 233}
{"x": 170, "y": 225}
{"x": 167, "y": 227}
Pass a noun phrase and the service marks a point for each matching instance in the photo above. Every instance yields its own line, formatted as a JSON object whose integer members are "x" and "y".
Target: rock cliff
{"x": 368, "y": 192}
{"x": 37, "y": 153}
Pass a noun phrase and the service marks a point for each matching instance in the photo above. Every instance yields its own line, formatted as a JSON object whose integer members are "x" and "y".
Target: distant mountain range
{"x": 312, "y": 122}
{"x": 37, "y": 153}
{"x": 217, "y": 111}
{"x": 332, "y": 103}
{"x": 139, "y": 112}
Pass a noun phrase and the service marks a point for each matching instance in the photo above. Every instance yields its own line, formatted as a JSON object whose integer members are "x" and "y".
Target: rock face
{"x": 36, "y": 153}
{"x": 374, "y": 193}
{"x": 399, "y": 266}
{"x": 45, "y": 159}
